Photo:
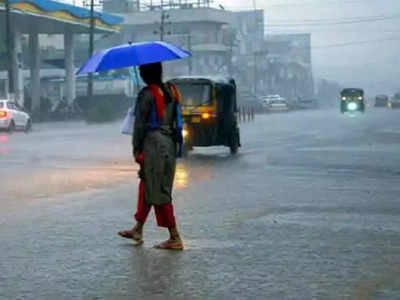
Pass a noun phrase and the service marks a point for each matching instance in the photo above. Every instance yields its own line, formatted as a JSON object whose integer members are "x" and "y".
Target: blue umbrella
{"x": 129, "y": 55}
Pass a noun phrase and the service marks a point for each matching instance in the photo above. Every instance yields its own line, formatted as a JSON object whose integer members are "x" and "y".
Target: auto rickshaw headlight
{"x": 360, "y": 98}
{"x": 352, "y": 106}
{"x": 205, "y": 116}
{"x": 344, "y": 98}
{"x": 185, "y": 133}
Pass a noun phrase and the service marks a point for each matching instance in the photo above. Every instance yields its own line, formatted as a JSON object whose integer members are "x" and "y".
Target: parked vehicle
{"x": 209, "y": 111}
{"x": 394, "y": 102}
{"x": 12, "y": 117}
{"x": 381, "y": 101}
{"x": 266, "y": 100}
{"x": 278, "y": 105}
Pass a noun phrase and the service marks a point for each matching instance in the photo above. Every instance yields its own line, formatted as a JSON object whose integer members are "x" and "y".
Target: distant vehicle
{"x": 266, "y": 100}
{"x": 12, "y": 117}
{"x": 307, "y": 103}
{"x": 278, "y": 105}
{"x": 352, "y": 100}
{"x": 394, "y": 102}
{"x": 381, "y": 101}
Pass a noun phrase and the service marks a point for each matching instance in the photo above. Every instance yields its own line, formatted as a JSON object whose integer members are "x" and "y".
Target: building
{"x": 192, "y": 24}
{"x": 248, "y": 49}
{"x": 289, "y": 66}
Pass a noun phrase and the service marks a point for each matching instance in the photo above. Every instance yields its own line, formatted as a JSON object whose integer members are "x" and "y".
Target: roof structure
{"x": 216, "y": 79}
{"x": 52, "y": 17}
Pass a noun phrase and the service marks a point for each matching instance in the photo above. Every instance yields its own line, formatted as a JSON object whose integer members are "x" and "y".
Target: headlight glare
{"x": 185, "y": 133}
{"x": 352, "y": 106}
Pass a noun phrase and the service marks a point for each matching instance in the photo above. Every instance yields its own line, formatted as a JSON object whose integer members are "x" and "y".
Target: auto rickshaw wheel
{"x": 186, "y": 149}
{"x": 234, "y": 147}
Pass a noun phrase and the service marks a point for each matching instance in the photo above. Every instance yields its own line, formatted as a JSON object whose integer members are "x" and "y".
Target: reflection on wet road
{"x": 309, "y": 209}
{"x": 181, "y": 176}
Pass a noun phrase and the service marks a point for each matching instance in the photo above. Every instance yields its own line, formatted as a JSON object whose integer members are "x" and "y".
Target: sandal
{"x": 170, "y": 245}
{"x": 131, "y": 234}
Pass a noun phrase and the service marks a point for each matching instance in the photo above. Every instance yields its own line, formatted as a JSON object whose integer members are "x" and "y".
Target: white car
{"x": 266, "y": 100}
{"x": 12, "y": 117}
{"x": 278, "y": 105}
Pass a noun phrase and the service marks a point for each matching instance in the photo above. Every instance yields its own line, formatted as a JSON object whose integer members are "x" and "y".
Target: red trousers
{"x": 164, "y": 213}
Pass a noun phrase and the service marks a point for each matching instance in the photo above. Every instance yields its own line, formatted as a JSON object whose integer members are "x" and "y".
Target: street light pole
{"x": 10, "y": 48}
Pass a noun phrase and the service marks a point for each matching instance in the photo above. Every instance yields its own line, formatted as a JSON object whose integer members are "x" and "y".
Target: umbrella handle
{"x": 137, "y": 78}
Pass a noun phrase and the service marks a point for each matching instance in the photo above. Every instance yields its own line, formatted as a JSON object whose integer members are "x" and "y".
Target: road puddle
{"x": 50, "y": 182}
{"x": 200, "y": 244}
{"x": 181, "y": 177}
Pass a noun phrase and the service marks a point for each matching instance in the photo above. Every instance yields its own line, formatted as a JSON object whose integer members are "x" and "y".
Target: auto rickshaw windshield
{"x": 352, "y": 92}
{"x": 195, "y": 94}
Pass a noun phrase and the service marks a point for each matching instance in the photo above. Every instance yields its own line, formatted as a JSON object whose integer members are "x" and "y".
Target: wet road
{"x": 309, "y": 209}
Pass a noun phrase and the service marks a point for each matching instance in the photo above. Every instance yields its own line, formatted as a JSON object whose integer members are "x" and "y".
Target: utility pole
{"x": 231, "y": 35}
{"x": 189, "y": 37}
{"x": 91, "y": 45}
{"x": 10, "y": 49}
{"x": 230, "y": 58}
{"x": 164, "y": 17}
{"x": 255, "y": 74}
{"x": 255, "y": 57}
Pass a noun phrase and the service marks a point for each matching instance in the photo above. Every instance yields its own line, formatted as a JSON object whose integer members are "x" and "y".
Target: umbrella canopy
{"x": 129, "y": 55}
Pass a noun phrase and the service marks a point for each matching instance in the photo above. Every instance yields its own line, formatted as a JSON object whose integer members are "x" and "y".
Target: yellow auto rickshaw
{"x": 209, "y": 111}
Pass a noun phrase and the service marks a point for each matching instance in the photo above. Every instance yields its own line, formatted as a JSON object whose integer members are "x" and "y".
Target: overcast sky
{"x": 371, "y": 56}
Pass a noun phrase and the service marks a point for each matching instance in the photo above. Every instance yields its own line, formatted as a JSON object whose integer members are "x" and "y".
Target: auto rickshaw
{"x": 352, "y": 100}
{"x": 209, "y": 112}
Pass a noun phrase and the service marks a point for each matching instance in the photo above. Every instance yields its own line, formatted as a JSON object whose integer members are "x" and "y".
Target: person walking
{"x": 157, "y": 133}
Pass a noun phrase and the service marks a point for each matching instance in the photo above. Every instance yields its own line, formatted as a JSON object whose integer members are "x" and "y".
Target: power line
{"x": 370, "y": 20}
{"x": 348, "y": 44}
{"x": 353, "y": 43}
{"x": 302, "y": 4}
{"x": 290, "y": 21}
